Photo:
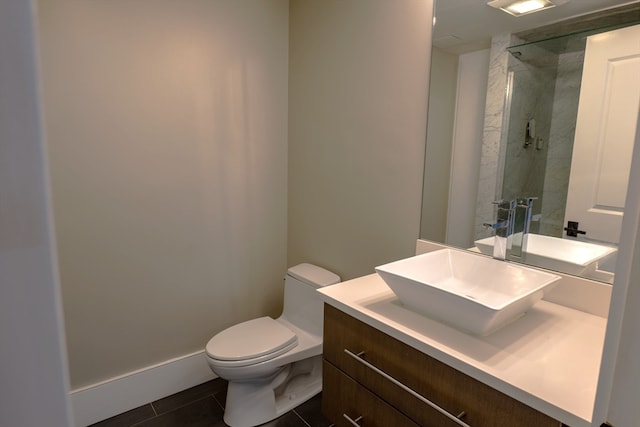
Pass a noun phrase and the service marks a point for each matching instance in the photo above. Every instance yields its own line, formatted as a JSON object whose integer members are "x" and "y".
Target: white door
{"x": 605, "y": 133}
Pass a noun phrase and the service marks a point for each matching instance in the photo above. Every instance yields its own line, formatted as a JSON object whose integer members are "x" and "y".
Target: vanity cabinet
{"x": 376, "y": 380}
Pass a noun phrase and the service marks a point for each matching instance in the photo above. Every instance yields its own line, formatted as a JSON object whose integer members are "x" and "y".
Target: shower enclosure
{"x": 540, "y": 118}
{"x": 541, "y": 107}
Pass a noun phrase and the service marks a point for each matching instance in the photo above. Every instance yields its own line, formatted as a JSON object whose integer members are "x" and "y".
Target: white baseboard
{"x": 100, "y": 401}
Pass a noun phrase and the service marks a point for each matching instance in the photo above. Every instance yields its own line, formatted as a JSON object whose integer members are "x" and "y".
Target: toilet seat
{"x": 251, "y": 342}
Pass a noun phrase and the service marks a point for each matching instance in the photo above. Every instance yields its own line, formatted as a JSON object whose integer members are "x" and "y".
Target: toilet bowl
{"x": 274, "y": 365}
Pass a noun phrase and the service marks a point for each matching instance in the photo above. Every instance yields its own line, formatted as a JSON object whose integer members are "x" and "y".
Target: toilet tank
{"x": 303, "y": 305}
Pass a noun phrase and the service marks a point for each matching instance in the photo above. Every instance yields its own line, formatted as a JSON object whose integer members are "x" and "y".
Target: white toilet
{"x": 274, "y": 365}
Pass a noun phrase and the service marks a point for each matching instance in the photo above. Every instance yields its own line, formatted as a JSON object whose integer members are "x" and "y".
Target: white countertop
{"x": 549, "y": 359}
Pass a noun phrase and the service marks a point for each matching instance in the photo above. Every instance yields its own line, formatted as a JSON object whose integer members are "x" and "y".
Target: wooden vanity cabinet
{"x": 370, "y": 374}
{"x": 352, "y": 403}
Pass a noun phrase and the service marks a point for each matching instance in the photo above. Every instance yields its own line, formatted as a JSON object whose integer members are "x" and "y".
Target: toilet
{"x": 274, "y": 365}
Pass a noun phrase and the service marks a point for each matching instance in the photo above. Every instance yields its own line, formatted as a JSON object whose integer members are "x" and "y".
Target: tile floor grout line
{"x": 176, "y": 408}
{"x": 144, "y": 421}
{"x": 211, "y": 395}
{"x": 218, "y": 402}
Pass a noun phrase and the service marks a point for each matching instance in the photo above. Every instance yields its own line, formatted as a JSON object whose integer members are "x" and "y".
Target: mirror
{"x": 490, "y": 118}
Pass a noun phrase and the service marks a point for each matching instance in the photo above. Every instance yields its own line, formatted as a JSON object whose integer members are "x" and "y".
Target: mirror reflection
{"x": 524, "y": 116}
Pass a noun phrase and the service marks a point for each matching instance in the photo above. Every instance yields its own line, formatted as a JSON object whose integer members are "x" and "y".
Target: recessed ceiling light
{"x": 524, "y": 7}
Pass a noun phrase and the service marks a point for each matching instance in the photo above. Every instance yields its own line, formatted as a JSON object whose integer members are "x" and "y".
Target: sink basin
{"x": 568, "y": 256}
{"x": 466, "y": 290}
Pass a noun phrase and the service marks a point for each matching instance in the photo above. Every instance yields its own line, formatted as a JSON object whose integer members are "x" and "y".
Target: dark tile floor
{"x": 202, "y": 406}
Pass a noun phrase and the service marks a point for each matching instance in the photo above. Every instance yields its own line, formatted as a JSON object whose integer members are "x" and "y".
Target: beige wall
{"x": 167, "y": 128}
{"x": 357, "y": 123}
{"x": 443, "y": 79}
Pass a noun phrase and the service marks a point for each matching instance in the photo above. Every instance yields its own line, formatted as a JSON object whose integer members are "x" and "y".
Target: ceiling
{"x": 467, "y": 25}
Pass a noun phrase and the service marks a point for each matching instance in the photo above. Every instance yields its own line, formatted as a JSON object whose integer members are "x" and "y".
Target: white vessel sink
{"x": 466, "y": 290}
{"x": 568, "y": 256}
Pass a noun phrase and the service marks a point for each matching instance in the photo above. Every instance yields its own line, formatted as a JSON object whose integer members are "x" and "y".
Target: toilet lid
{"x": 252, "y": 339}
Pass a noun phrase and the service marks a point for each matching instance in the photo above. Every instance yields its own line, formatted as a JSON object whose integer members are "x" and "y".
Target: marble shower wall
{"x": 532, "y": 92}
{"x": 546, "y": 90}
{"x": 489, "y": 187}
{"x": 560, "y": 147}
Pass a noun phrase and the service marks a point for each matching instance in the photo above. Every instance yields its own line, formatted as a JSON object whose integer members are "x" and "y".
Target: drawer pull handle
{"x": 409, "y": 390}
{"x": 352, "y": 421}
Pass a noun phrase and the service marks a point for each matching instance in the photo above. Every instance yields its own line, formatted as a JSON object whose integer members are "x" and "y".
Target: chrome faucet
{"x": 521, "y": 225}
{"x": 503, "y": 227}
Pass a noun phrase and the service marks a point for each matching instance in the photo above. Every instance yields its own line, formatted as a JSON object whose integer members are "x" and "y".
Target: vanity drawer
{"x": 388, "y": 368}
{"x": 350, "y": 399}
